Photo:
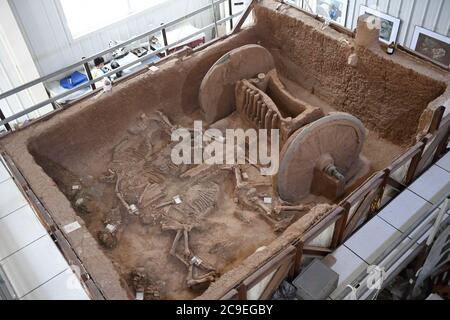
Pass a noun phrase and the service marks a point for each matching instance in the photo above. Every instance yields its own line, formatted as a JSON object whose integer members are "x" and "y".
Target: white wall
{"x": 430, "y": 14}
{"x": 16, "y": 68}
{"x": 51, "y": 45}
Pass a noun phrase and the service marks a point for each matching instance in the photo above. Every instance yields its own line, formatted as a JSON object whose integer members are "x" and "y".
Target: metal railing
{"x": 6, "y": 289}
{"x": 388, "y": 261}
{"x": 4, "y": 121}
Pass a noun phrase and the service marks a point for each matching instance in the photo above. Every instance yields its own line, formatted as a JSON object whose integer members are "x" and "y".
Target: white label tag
{"x": 71, "y": 227}
{"x": 111, "y": 228}
{"x": 177, "y": 200}
{"x": 139, "y": 296}
{"x": 267, "y": 200}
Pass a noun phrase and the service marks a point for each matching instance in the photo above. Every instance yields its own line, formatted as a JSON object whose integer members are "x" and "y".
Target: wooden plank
{"x": 395, "y": 184}
{"x": 404, "y": 158}
{"x": 276, "y": 281}
{"x": 376, "y": 204}
{"x": 339, "y": 229}
{"x": 363, "y": 208}
{"x": 93, "y": 290}
{"x": 242, "y": 292}
{"x": 320, "y": 227}
{"x": 373, "y": 183}
{"x": 232, "y": 295}
{"x": 412, "y": 170}
{"x": 267, "y": 268}
{"x": 316, "y": 251}
{"x": 442, "y": 147}
{"x": 15, "y": 172}
{"x": 436, "y": 120}
{"x": 298, "y": 257}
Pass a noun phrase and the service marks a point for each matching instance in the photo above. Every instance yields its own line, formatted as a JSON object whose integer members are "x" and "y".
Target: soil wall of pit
{"x": 385, "y": 93}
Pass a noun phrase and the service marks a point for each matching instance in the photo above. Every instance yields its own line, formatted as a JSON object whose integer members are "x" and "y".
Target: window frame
{"x": 76, "y": 38}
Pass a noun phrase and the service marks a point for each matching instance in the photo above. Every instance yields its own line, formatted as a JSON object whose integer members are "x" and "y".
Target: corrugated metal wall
{"x": 43, "y": 24}
{"x": 430, "y": 14}
{"x": 16, "y": 68}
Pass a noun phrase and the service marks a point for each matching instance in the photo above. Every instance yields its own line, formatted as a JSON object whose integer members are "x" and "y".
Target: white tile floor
{"x": 11, "y": 199}
{"x": 11, "y": 240}
{"x": 444, "y": 163}
{"x": 432, "y": 185}
{"x": 4, "y": 174}
{"x": 34, "y": 265}
{"x": 406, "y": 209}
{"x": 64, "y": 286}
{"x": 348, "y": 265}
{"x": 374, "y": 237}
{"x": 30, "y": 259}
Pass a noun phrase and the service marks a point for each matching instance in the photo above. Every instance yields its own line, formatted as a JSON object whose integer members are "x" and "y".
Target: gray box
{"x": 316, "y": 282}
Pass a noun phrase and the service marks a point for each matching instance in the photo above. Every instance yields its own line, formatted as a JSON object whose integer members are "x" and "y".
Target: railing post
{"x": 411, "y": 174}
{"x": 2, "y": 117}
{"x": 242, "y": 292}
{"x": 297, "y": 260}
{"x": 340, "y": 225}
{"x": 230, "y": 9}
{"x": 165, "y": 42}
{"x": 87, "y": 68}
{"x": 244, "y": 16}
{"x": 440, "y": 150}
{"x": 436, "y": 120}
{"x": 376, "y": 204}
{"x": 216, "y": 28}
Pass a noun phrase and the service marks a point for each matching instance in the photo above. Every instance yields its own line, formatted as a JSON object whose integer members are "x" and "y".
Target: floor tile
{"x": 11, "y": 198}
{"x": 404, "y": 210}
{"x": 18, "y": 230}
{"x": 65, "y": 286}
{"x": 34, "y": 265}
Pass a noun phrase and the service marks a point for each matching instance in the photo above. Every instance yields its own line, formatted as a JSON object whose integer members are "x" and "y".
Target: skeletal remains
{"x": 142, "y": 175}
{"x": 190, "y": 260}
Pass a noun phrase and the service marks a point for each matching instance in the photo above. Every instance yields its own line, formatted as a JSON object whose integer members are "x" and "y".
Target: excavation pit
{"x": 79, "y": 160}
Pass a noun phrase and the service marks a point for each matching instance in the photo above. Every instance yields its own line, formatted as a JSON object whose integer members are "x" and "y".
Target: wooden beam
{"x": 441, "y": 149}
{"x": 242, "y": 292}
{"x": 362, "y": 209}
{"x": 404, "y": 158}
{"x": 276, "y": 280}
{"x": 318, "y": 228}
{"x": 436, "y": 121}
{"x": 412, "y": 170}
{"x": 316, "y": 251}
{"x": 395, "y": 184}
{"x": 266, "y": 269}
{"x": 298, "y": 257}
{"x": 339, "y": 229}
{"x": 232, "y": 295}
{"x": 244, "y": 16}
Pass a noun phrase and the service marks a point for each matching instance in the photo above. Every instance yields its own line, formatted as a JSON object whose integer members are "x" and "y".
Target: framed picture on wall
{"x": 431, "y": 44}
{"x": 390, "y": 25}
{"x": 334, "y": 10}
